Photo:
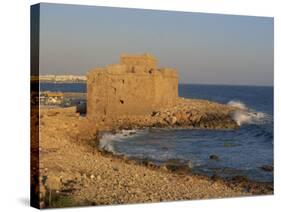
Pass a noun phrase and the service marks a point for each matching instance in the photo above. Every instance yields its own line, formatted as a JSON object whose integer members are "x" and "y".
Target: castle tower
{"x": 134, "y": 87}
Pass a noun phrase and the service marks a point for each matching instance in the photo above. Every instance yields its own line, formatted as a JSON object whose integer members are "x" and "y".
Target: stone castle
{"x": 134, "y": 87}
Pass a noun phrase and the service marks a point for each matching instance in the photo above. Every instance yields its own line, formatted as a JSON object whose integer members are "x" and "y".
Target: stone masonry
{"x": 134, "y": 87}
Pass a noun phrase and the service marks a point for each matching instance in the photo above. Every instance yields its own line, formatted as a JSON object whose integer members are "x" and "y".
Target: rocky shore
{"x": 186, "y": 113}
{"x": 73, "y": 171}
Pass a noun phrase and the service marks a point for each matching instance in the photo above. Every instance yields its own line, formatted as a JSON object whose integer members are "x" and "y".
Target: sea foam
{"x": 246, "y": 115}
{"x": 237, "y": 104}
{"x": 107, "y": 139}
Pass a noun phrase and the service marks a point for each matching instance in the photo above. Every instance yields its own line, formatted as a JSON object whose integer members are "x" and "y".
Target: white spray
{"x": 245, "y": 115}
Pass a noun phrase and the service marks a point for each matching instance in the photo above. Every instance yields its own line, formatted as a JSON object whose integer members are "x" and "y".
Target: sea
{"x": 240, "y": 152}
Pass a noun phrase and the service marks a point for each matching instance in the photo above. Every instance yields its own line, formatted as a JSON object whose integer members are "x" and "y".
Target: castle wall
{"x": 123, "y": 90}
{"x": 166, "y": 86}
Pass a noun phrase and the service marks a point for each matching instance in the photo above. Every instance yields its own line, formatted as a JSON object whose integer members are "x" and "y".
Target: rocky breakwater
{"x": 197, "y": 114}
{"x": 184, "y": 113}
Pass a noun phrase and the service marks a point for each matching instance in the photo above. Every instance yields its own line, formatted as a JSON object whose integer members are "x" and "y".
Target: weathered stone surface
{"x": 145, "y": 61}
{"x": 133, "y": 87}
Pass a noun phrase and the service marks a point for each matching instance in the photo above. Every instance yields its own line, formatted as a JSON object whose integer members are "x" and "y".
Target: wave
{"x": 237, "y": 104}
{"x": 246, "y": 115}
{"x": 107, "y": 139}
{"x": 105, "y": 142}
{"x": 109, "y": 142}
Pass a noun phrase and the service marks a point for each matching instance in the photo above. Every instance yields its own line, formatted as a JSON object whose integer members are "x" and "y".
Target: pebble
{"x": 115, "y": 168}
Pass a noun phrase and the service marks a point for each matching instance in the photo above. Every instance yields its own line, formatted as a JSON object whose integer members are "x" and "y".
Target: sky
{"x": 204, "y": 48}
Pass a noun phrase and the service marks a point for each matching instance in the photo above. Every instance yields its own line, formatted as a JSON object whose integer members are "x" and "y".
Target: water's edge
{"x": 251, "y": 186}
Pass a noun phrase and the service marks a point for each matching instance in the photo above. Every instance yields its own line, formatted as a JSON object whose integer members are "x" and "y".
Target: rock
{"x": 267, "y": 168}
{"x": 214, "y": 157}
{"x": 132, "y": 133}
{"x": 164, "y": 167}
{"x": 215, "y": 177}
{"x": 92, "y": 176}
{"x": 155, "y": 113}
{"x": 53, "y": 182}
{"x": 171, "y": 120}
{"x": 115, "y": 168}
{"x": 240, "y": 178}
{"x": 188, "y": 114}
{"x": 178, "y": 168}
{"x": 179, "y": 115}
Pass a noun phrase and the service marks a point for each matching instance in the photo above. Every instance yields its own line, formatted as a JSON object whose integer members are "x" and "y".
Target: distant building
{"x": 59, "y": 78}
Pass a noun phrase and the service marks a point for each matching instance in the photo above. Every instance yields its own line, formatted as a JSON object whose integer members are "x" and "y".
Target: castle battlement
{"x": 146, "y": 60}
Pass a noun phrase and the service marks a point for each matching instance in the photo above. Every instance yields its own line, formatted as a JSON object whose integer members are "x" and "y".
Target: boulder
{"x": 171, "y": 120}
{"x": 267, "y": 168}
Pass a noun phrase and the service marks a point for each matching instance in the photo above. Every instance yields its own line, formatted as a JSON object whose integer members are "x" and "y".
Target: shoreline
{"x": 196, "y": 84}
{"x": 174, "y": 165}
{"x": 72, "y": 168}
{"x": 251, "y": 186}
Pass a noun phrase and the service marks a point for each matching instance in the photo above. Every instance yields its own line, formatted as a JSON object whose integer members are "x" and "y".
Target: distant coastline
{"x": 83, "y": 79}
{"x": 60, "y": 78}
